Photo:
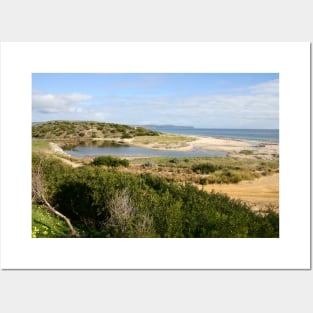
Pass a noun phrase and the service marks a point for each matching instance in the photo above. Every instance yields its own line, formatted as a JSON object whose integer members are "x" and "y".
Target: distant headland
{"x": 167, "y": 126}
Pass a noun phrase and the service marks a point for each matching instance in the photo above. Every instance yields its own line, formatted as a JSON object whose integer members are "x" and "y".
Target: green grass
{"x": 47, "y": 225}
{"x": 246, "y": 152}
{"x": 38, "y": 146}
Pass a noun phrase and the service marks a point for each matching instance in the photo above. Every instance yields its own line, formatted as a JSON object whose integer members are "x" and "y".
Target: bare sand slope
{"x": 259, "y": 193}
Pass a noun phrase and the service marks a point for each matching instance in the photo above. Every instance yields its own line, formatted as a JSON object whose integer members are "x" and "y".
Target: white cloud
{"x": 256, "y": 106}
{"x": 251, "y": 107}
{"x": 58, "y": 103}
{"x": 267, "y": 88}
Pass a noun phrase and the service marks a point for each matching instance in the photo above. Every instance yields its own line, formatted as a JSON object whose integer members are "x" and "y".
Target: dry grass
{"x": 259, "y": 185}
{"x": 261, "y": 193}
{"x": 163, "y": 141}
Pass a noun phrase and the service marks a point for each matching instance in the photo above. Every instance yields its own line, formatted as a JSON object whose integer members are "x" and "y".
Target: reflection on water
{"x": 94, "y": 144}
{"x": 96, "y": 148}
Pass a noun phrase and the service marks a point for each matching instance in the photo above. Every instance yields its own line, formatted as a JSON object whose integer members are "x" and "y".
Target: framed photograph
{"x": 155, "y": 155}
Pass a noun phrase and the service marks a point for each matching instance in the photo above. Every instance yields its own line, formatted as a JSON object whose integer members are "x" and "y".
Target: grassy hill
{"x": 87, "y": 130}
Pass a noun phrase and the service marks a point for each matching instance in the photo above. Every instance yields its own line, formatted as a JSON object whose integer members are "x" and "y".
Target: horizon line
{"x": 156, "y": 125}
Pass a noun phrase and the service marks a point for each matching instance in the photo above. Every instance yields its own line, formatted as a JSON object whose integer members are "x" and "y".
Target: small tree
{"x": 39, "y": 194}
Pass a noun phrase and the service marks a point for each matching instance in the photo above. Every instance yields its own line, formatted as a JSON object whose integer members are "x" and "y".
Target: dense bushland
{"x": 108, "y": 203}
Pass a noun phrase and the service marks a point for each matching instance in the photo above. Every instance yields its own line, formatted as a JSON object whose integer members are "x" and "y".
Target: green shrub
{"x": 110, "y": 161}
{"x": 124, "y": 136}
{"x": 228, "y": 177}
{"x": 203, "y": 181}
{"x": 175, "y": 161}
{"x": 105, "y": 203}
{"x": 204, "y": 168}
{"x": 140, "y": 131}
{"x": 246, "y": 152}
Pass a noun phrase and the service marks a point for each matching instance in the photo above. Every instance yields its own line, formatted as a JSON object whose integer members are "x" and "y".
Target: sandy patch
{"x": 69, "y": 162}
{"x": 221, "y": 144}
{"x": 260, "y": 193}
{"x": 57, "y": 149}
{"x": 61, "y": 155}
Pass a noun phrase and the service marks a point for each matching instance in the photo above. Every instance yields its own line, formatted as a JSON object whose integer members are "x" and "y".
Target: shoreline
{"x": 233, "y": 147}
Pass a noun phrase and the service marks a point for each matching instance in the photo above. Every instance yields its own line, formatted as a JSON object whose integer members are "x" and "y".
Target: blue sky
{"x": 215, "y": 100}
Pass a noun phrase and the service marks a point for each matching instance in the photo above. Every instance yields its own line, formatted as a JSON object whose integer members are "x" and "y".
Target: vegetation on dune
{"x": 87, "y": 130}
{"x": 208, "y": 170}
{"x": 221, "y": 162}
{"x": 108, "y": 203}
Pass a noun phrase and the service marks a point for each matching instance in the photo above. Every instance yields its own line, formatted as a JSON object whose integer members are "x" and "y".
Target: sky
{"x": 203, "y": 100}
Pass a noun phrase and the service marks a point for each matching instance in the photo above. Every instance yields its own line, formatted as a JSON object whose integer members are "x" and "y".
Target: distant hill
{"x": 87, "y": 130}
{"x": 167, "y": 126}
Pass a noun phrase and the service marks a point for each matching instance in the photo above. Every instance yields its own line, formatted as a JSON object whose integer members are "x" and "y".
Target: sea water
{"x": 248, "y": 134}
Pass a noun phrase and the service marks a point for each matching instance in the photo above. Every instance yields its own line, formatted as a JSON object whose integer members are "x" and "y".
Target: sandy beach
{"x": 233, "y": 147}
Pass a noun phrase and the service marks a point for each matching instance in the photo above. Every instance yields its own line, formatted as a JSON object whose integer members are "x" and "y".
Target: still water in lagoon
{"x": 84, "y": 150}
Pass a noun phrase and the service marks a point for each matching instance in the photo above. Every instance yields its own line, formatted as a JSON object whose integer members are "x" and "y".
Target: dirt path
{"x": 259, "y": 193}
{"x": 69, "y": 162}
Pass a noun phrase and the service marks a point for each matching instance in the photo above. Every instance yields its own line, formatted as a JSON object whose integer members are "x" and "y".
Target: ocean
{"x": 249, "y": 134}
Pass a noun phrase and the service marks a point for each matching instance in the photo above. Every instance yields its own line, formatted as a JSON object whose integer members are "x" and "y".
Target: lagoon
{"x": 104, "y": 148}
